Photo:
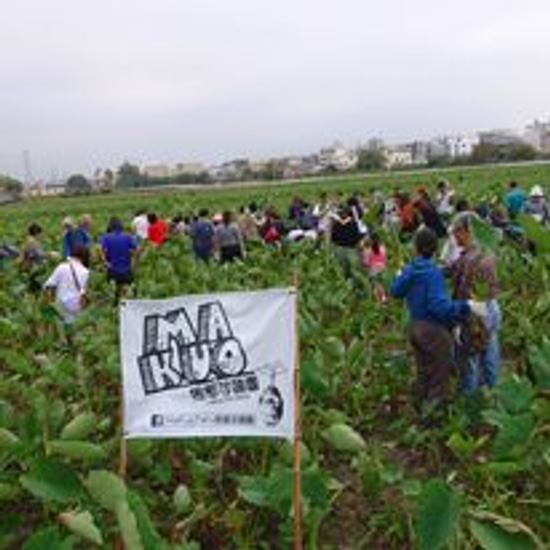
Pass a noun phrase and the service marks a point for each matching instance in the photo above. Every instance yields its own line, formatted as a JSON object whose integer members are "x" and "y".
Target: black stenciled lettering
{"x": 176, "y": 354}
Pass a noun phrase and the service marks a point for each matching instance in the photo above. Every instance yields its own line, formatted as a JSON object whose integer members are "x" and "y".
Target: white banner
{"x": 209, "y": 365}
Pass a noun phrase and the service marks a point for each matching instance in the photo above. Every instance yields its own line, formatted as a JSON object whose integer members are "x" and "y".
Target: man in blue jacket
{"x": 432, "y": 314}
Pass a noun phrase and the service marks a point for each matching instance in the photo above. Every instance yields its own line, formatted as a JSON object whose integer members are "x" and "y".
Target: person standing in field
{"x": 428, "y": 212}
{"x": 117, "y": 250}
{"x": 373, "y": 259}
{"x": 202, "y": 236}
{"x": 228, "y": 239}
{"x": 33, "y": 257}
{"x": 68, "y": 284}
{"x": 537, "y": 206}
{"x": 432, "y": 316}
{"x": 444, "y": 200}
{"x": 474, "y": 274}
{"x": 346, "y": 237}
{"x": 515, "y": 200}
{"x": 79, "y": 235}
{"x": 140, "y": 226}
{"x": 157, "y": 230}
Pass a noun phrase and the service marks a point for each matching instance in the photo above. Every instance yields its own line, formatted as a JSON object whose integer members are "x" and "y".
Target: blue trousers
{"x": 481, "y": 369}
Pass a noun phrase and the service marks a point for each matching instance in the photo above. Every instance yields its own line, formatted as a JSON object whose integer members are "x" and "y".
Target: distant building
{"x": 187, "y": 168}
{"x": 157, "y": 170}
{"x": 452, "y": 146}
{"x": 419, "y": 152}
{"x": 397, "y": 157}
{"x": 41, "y": 189}
{"x": 234, "y": 170}
{"x": 460, "y": 145}
{"x": 338, "y": 158}
{"x": 300, "y": 166}
{"x": 537, "y": 134}
{"x": 500, "y": 137}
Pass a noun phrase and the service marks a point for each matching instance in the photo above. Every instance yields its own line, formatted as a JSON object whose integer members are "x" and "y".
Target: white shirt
{"x": 67, "y": 291}
{"x": 140, "y": 226}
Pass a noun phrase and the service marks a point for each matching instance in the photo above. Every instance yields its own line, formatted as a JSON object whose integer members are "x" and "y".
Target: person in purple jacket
{"x": 432, "y": 316}
{"x": 118, "y": 249}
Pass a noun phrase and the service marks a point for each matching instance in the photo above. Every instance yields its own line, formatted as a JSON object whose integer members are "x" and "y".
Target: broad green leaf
{"x": 81, "y": 450}
{"x": 52, "y": 480}
{"x": 344, "y": 438}
{"x": 316, "y": 487}
{"x": 253, "y": 489}
{"x": 128, "y": 526}
{"x": 493, "y": 537}
{"x": 438, "y": 515}
{"x": 539, "y": 361}
{"x": 149, "y": 536}
{"x": 313, "y": 381}
{"x": 82, "y": 524}
{"x": 484, "y": 234}
{"x": 45, "y": 539}
{"x": 108, "y": 489}
{"x": 334, "y": 348}
{"x": 7, "y": 439}
{"x": 515, "y": 394}
{"x": 513, "y": 436}
{"x": 80, "y": 427}
{"x": 535, "y": 232}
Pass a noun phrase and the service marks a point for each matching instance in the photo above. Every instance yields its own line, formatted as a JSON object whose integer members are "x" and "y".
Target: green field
{"x": 478, "y": 481}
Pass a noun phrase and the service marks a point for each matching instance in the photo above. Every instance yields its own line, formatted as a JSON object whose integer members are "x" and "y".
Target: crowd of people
{"x": 450, "y": 285}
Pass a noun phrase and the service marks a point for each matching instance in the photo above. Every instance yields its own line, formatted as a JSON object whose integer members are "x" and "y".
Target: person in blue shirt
{"x": 432, "y": 316}
{"x": 202, "y": 236}
{"x": 118, "y": 249}
{"x": 78, "y": 236}
{"x": 515, "y": 200}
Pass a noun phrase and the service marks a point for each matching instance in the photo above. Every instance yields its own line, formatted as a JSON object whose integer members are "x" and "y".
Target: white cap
{"x": 536, "y": 191}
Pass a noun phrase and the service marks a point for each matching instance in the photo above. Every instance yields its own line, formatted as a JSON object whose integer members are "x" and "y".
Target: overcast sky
{"x": 90, "y": 83}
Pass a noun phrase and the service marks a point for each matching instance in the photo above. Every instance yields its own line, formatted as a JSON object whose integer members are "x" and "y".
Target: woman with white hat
{"x": 537, "y": 205}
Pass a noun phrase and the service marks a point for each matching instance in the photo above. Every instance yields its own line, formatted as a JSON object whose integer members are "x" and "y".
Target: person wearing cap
{"x": 432, "y": 317}
{"x": 79, "y": 235}
{"x": 474, "y": 274}
{"x": 537, "y": 206}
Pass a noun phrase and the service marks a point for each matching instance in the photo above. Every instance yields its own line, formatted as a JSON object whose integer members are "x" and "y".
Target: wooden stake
{"x": 297, "y": 430}
{"x": 123, "y": 459}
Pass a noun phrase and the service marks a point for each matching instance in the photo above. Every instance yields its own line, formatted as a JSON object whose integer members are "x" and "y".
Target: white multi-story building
{"x": 397, "y": 157}
{"x": 338, "y": 157}
{"x": 537, "y": 134}
{"x": 459, "y": 145}
{"x": 453, "y": 147}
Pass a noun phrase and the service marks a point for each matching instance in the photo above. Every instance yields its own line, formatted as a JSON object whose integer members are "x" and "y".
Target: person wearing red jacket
{"x": 157, "y": 232}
